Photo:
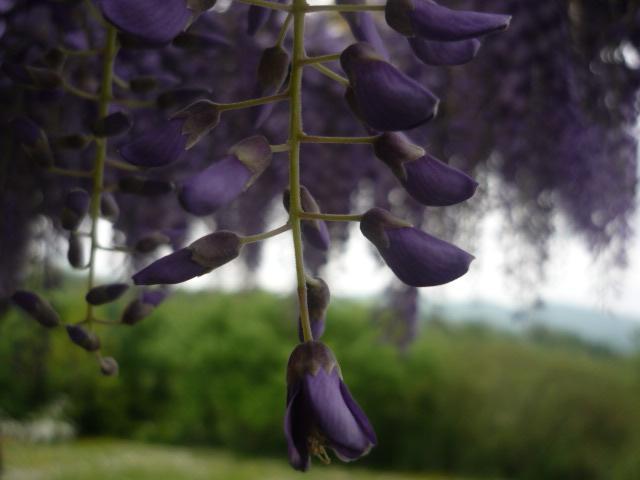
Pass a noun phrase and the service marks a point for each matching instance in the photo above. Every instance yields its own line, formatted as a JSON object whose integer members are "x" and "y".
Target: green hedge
{"x": 209, "y": 368}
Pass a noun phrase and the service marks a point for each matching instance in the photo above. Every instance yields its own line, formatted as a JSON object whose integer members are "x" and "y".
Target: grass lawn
{"x": 121, "y": 460}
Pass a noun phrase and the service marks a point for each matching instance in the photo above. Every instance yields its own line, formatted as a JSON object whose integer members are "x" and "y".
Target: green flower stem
{"x": 341, "y": 140}
{"x": 321, "y": 59}
{"x": 295, "y": 133}
{"x": 120, "y": 165}
{"x": 266, "y": 4}
{"x": 283, "y": 30}
{"x": 254, "y": 102}
{"x": 330, "y": 73}
{"x": 345, "y": 8}
{"x": 78, "y": 92}
{"x": 331, "y": 217}
{"x": 106, "y": 89}
{"x": 263, "y": 236}
{"x": 283, "y": 147}
{"x": 65, "y": 172}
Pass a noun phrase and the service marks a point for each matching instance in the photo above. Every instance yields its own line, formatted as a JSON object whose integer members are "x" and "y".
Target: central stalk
{"x": 295, "y": 135}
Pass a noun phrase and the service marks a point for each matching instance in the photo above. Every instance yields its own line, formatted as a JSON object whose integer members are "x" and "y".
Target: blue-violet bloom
{"x": 427, "y": 179}
{"x": 383, "y": 97}
{"x": 416, "y": 258}
{"x": 321, "y": 411}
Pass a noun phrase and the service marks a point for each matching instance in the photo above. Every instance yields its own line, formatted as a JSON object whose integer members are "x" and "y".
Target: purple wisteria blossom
{"x": 382, "y": 96}
{"x": 321, "y": 411}
{"x": 417, "y": 258}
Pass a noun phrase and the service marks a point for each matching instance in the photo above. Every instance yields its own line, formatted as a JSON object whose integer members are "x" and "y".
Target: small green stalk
{"x": 331, "y": 217}
{"x": 263, "y": 236}
{"x": 106, "y": 92}
{"x": 327, "y": 72}
{"x": 253, "y": 102}
{"x": 295, "y": 133}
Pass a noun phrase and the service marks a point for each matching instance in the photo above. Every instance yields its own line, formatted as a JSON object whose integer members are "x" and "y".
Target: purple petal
{"x": 155, "y": 22}
{"x": 106, "y": 293}
{"x": 427, "y": 19}
{"x": 332, "y": 415}
{"x": 433, "y": 52}
{"x": 176, "y": 267}
{"x": 434, "y": 183}
{"x": 421, "y": 260}
{"x": 158, "y": 147}
{"x": 215, "y": 186}
{"x": 153, "y": 297}
{"x": 386, "y": 99}
{"x": 296, "y": 429}
{"x": 359, "y": 415}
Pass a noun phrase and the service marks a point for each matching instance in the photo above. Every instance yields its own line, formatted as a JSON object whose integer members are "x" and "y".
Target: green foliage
{"x": 209, "y": 369}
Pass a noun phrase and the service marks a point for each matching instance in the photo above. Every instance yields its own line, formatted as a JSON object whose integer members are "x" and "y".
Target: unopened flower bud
{"x": 83, "y": 338}
{"x": 226, "y": 179}
{"x": 318, "y": 298}
{"x": 156, "y": 147}
{"x": 142, "y": 306}
{"x": 112, "y": 125}
{"x": 109, "y": 208}
{"x": 106, "y": 293}
{"x": 427, "y": 179}
{"x": 145, "y": 187}
{"x": 37, "y": 307}
{"x": 202, "y": 256}
{"x": 417, "y": 258}
{"x": 76, "y": 206}
{"x": 34, "y": 141}
{"x": 199, "y": 119}
{"x": 385, "y": 98}
{"x": 273, "y": 68}
{"x": 150, "y": 242}
{"x": 108, "y": 366}
{"x": 75, "y": 252}
{"x": 315, "y": 232}
{"x": 427, "y": 19}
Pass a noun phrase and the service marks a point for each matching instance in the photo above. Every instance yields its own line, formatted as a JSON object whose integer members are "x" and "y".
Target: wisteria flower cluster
{"x": 320, "y": 411}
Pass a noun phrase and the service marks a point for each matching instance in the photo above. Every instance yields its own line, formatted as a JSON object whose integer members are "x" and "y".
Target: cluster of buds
{"x": 321, "y": 413}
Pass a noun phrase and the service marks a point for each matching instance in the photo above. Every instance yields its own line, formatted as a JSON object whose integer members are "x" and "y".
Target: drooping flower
{"x": 142, "y": 306}
{"x": 417, "y": 258}
{"x": 202, "y": 256}
{"x": 429, "y": 20}
{"x": 315, "y": 232}
{"x": 83, "y": 337}
{"x": 76, "y": 206}
{"x": 167, "y": 143}
{"x": 155, "y": 22}
{"x": 385, "y": 98}
{"x": 106, "y": 293}
{"x": 226, "y": 179}
{"x": 427, "y": 179}
{"x": 37, "y": 307}
{"x": 321, "y": 411}
{"x": 318, "y": 298}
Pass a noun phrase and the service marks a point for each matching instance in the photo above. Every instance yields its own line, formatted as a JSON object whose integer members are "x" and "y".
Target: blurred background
{"x": 528, "y": 367}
